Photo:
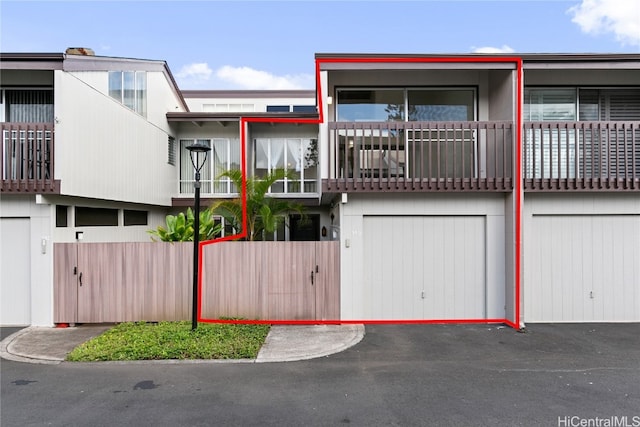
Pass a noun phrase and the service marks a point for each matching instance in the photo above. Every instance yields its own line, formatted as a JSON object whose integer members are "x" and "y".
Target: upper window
{"x": 424, "y": 104}
{"x": 224, "y": 156}
{"x": 584, "y": 104}
{"x": 298, "y": 156}
{"x": 130, "y": 89}
{"x": 29, "y": 106}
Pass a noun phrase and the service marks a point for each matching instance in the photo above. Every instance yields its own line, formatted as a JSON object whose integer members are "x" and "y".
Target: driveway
{"x": 398, "y": 375}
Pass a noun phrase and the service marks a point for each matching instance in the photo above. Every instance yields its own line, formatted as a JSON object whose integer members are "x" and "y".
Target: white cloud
{"x": 620, "y": 17}
{"x": 249, "y": 78}
{"x": 198, "y": 71}
{"x": 489, "y": 49}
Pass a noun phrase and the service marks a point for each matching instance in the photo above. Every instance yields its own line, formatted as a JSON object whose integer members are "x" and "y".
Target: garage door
{"x": 582, "y": 269}
{"x": 15, "y": 272}
{"x": 424, "y": 267}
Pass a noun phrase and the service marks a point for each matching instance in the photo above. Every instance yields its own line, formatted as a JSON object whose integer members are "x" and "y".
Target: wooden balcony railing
{"x": 581, "y": 156}
{"x": 26, "y": 159}
{"x": 420, "y": 156}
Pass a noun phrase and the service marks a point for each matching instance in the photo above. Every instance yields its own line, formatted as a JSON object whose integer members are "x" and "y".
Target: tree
{"x": 179, "y": 228}
{"x": 264, "y": 213}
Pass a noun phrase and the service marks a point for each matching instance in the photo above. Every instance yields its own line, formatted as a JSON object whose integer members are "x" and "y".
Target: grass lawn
{"x": 172, "y": 340}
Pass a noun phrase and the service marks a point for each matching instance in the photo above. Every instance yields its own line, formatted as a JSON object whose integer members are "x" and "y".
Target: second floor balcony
{"x": 574, "y": 155}
{"x": 27, "y": 158}
{"x": 420, "y": 156}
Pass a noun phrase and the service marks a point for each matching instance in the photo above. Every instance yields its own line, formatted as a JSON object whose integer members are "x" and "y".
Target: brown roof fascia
{"x": 524, "y": 56}
{"x": 230, "y": 117}
{"x": 31, "y": 61}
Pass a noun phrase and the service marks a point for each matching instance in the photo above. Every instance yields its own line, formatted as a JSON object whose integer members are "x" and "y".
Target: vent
{"x": 85, "y": 51}
{"x": 171, "y": 155}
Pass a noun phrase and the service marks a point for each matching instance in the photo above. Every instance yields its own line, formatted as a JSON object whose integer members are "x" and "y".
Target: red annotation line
{"x": 515, "y": 323}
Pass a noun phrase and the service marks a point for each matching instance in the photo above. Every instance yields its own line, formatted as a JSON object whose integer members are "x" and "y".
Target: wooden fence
{"x": 118, "y": 282}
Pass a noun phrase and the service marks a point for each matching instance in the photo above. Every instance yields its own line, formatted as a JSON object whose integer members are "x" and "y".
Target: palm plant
{"x": 264, "y": 214}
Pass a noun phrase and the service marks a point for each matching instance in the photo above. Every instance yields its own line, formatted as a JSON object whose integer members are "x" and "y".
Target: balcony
{"x": 26, "y": 158}
{"x": 589, "y": 156}
{"x": 420, "y": 156}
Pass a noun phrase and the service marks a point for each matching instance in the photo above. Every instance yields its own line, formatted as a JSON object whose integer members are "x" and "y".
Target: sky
{"x": 211, "y": 44}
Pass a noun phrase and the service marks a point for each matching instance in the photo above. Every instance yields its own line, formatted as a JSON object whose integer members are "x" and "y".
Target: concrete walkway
{"x": 284, "y": 343}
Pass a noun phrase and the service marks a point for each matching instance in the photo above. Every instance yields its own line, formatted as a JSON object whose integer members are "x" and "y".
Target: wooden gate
{"x": 117, "y": 282}
{"x": 271, "y": 280}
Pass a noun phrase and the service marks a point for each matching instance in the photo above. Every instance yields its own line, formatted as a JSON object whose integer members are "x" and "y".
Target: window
{"x": 304, "y": 228}
{"x": 29, "y": 105}
{"x": 130, "y": 89}
{"x": 298, "y": 156}
{"x": 582, "y": 104}
{"x": 135, "y": 217}
{"x": 61, "y": 215}
{"x": 432, "y": 105}
{"x": 291, "y": 109}
{"x": 557, "y": 152}
{"x": 420, "y": 104}
{"x": 375, "y": 105}
{"x": 277, "y": 109}
{"x": 96, "y": 217}
{"x": 224, "y": 155}
{"x": 225, "y": 108}
{"x": 304, "y": 109}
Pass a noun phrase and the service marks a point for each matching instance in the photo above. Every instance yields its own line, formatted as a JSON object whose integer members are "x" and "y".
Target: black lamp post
{"x": 198, "y": 152}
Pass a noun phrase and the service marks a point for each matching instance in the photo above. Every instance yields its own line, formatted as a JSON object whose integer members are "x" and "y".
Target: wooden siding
{"x": 274, "y": 280}
{"x": 117, "y": 282}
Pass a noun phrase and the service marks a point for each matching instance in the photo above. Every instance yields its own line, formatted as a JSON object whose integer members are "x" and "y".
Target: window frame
{"x": 139, "y": 91}
{"x": 405, "y": 91}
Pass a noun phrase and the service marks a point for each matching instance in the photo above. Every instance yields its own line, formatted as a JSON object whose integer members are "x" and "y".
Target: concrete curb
{"x": 7, "y": 353}
{"x": 49, "y": 346}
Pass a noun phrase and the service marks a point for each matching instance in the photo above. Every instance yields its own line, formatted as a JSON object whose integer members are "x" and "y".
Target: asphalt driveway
{"x": 398, "y": 375}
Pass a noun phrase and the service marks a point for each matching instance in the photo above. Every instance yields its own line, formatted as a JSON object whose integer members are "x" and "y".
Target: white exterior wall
{"x": 40, "y": 290}
{"x": 581, "y": 258}
{"x": 132, "y": 233}
{"x": 259, "y": 104}
{"x": 106, "y": 151}
{"x": 351, "y": 222}
{"x": 208, "y": 130}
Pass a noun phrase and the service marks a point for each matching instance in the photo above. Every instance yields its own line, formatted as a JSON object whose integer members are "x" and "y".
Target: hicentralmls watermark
{"x": 613, "y": 421}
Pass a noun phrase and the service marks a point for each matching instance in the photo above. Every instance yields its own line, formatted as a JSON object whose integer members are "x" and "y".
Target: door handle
{"x": 312, "y": 274}
{"x": 80, "y": 278}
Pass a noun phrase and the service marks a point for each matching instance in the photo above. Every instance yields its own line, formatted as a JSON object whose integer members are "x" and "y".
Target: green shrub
{"x": 173, "y": 340}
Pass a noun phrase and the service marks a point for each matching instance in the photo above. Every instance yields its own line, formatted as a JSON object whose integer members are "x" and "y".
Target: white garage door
{"x": 583, "y": 269}
{"x": 15, "y": 273}
{"x": 424, "y": 267}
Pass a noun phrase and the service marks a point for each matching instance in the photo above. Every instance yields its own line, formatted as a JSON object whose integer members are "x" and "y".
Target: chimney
{"x": 85, "y": 51}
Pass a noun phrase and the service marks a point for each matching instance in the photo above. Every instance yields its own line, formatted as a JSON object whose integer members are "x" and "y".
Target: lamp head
{"x": 198, "y": 153}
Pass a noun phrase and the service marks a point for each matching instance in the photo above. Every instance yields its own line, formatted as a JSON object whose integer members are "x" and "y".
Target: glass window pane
{"x": 370, "y": 105}
{"x": 261, "y": 157}
{"x": 128, "y": 91}
{"x": 441, "y": 105}
{"x": 115, "y": 85}
{"x": 550, "y": 104}
{"x": 141, "y": 93}
{"x": 220, "y": 163}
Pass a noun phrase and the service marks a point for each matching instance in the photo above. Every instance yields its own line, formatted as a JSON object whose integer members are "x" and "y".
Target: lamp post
{"x": 198, "y": 152}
